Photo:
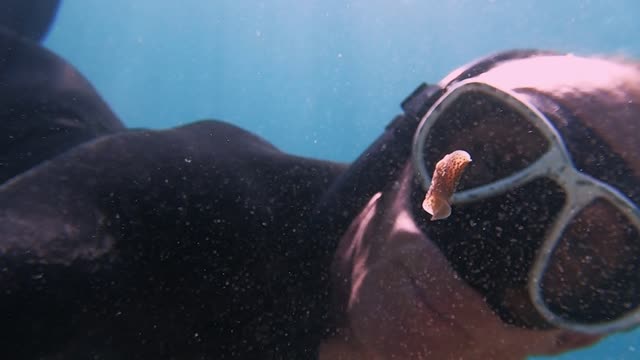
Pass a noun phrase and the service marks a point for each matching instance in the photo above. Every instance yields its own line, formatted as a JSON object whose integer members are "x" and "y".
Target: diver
{"x": 205, "y": 241}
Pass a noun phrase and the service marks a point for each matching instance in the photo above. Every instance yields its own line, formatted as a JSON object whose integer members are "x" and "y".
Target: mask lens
{"x": 593, "y": 274}
{"x": 500, "y": 139}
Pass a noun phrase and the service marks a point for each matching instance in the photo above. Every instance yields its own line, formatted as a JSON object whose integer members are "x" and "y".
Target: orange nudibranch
{"x": 445, "y": 179}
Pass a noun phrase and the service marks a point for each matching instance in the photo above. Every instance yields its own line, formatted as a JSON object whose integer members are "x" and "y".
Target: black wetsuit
{"x": 202, "y": 241}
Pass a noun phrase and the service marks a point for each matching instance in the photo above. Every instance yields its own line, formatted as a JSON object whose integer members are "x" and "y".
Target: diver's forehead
{"x": 559, "y": 73}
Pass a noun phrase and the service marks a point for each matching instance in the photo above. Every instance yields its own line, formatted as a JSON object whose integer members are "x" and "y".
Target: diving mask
{"x": 594, "y": 234}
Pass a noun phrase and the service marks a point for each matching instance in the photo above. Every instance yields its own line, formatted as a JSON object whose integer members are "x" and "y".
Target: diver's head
{"x": 545, "y": 223}
{"x": 540, "y": 253}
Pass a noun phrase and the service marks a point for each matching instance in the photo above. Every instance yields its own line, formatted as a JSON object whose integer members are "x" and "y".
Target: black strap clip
{"x": 421, "y": 99}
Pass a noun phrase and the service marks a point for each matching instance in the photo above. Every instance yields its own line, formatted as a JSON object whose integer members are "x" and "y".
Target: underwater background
{"x": 316, "y": 78}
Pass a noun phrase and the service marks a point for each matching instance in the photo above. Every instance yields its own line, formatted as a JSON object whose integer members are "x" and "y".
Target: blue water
{"x": 316, "y": 78}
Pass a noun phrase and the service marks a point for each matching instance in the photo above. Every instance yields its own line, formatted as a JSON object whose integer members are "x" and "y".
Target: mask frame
{"x": 556, "y": 164}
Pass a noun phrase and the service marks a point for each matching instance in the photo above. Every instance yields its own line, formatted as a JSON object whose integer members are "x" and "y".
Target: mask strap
{"x": 420, "y": 100}
{"x": 372, "y": 171}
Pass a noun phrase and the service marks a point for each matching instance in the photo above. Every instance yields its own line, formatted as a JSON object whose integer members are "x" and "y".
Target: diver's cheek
{"x": 393, "y": 318}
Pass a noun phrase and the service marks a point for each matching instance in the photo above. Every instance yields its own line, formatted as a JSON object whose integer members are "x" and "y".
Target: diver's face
{"x": 400, "y": 297}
